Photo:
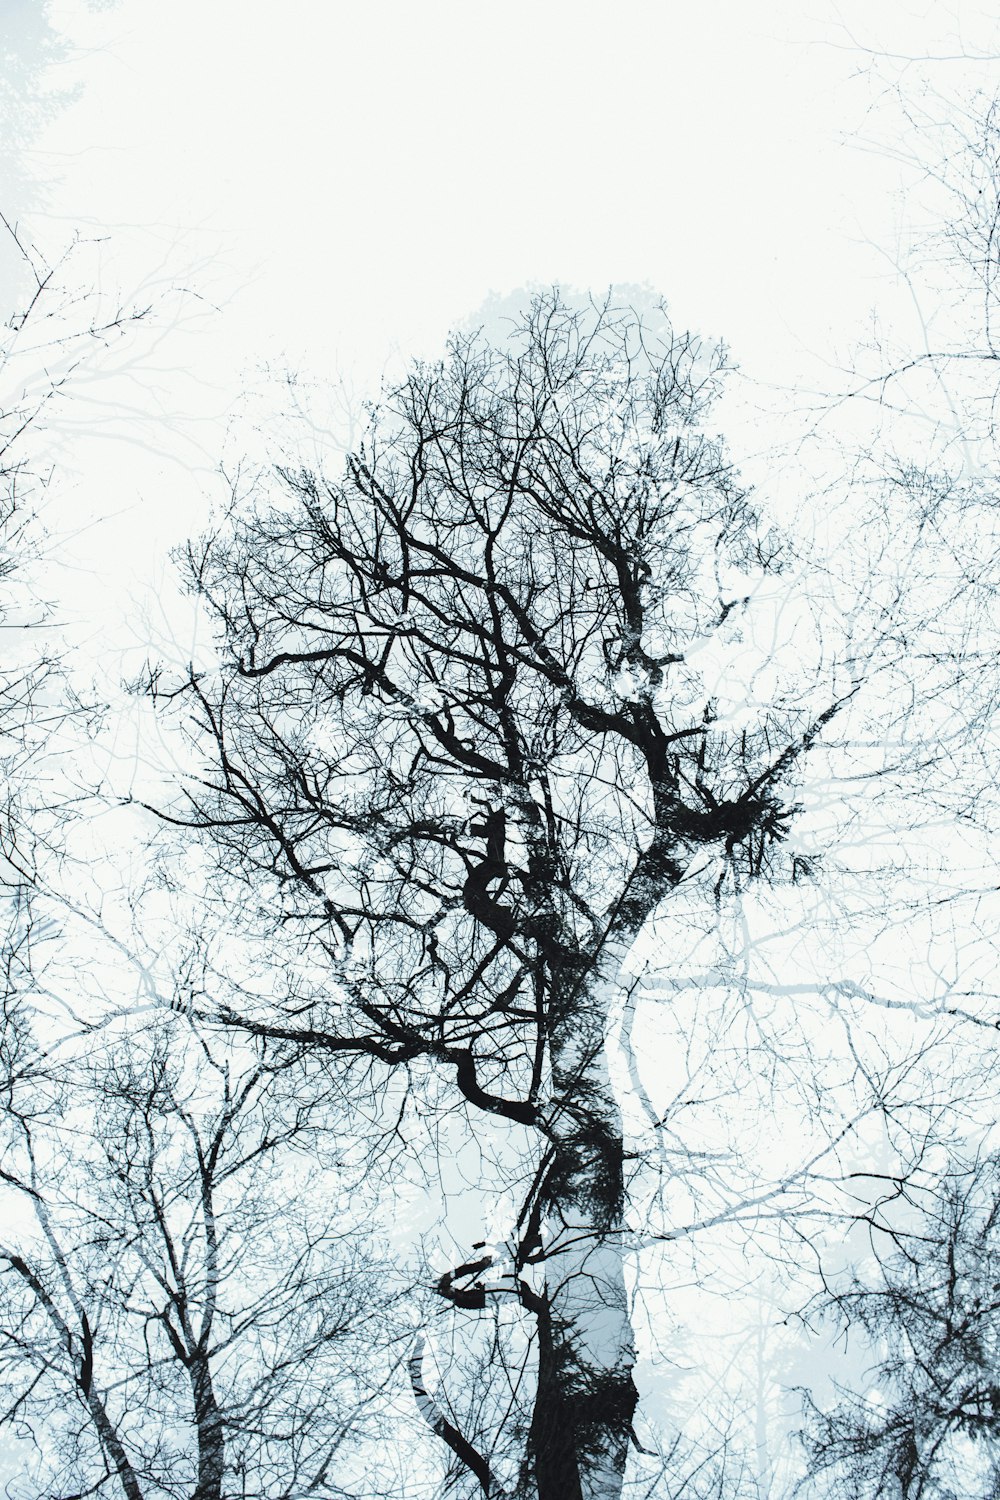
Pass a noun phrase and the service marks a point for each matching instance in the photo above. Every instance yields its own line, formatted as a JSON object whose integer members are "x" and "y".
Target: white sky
{"x": 363, "y": 175}
{"x": 332, "y": 184}
{"x": 328, "y": 188}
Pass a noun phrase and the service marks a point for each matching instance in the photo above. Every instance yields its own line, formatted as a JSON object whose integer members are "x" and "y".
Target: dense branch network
{"x": 452, "y": 720}
{"x": 458, "y": 734}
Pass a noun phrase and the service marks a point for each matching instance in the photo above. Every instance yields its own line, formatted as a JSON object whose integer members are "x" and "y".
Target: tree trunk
{"x": 585, "y": 1398}
{"x": 211, "y": 1437}
{"x": 112, "y": 1445}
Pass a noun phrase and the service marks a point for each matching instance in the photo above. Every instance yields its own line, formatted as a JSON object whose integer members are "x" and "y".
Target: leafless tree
{"x": 458, "y": 740}
{"x": 183, "y": 1312}
{"x": 47, "y": 345}
{"x": 914, "y": 1311}
{"x": 925, "y": 1308}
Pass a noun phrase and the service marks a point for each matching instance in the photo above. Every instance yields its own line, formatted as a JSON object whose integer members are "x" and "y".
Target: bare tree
{"x": 456, "y": 737}
{"x": 925, "y": 1308}
{"x": 914, "y": 1313}
{"x": 182, "y": 1314}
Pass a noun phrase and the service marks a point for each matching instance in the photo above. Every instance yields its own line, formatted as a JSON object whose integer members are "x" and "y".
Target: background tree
{"x": 925, "y": 1307}
{"x": 459, "y": 739}
{"x": 186, "y": 1305}
{"x": 913, "y": 1306}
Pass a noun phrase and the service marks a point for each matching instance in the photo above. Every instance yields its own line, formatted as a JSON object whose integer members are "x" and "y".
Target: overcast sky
{"x": 352, "y": 177}
{"x": 328, "y": 187}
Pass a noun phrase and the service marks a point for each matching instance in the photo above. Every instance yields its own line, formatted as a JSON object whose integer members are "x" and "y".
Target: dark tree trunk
{"x": 211, "y": 1436}
{"x": 112, "y": 1445}
{"x": 585, "y": 1398}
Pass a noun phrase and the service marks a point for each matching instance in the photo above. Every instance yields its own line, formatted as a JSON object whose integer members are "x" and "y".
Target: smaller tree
{"x": 928, "y": 1305}
{"x": 184, "y": 1311}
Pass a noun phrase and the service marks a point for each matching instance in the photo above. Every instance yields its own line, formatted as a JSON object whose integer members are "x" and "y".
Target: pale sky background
{"x": 327, "y": 188}
{"x": 324, "y": 187}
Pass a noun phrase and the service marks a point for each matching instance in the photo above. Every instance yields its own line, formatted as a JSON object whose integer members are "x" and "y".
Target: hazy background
{"x": 301, "y": 196}
{"x": 322, "y": 190}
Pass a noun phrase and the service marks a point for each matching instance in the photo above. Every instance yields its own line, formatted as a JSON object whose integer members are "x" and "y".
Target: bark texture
{"x": 585, "y": 1397}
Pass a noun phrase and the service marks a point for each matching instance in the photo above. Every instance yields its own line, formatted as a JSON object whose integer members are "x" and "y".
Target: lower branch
{"x": 442, "y": 1428}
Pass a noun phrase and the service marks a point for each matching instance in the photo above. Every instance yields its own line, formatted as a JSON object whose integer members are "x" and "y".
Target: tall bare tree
{"x": 456, "y": 737}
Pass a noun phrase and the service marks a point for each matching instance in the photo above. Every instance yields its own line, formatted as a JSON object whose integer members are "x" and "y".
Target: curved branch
{"x": 442, "y": 1428}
